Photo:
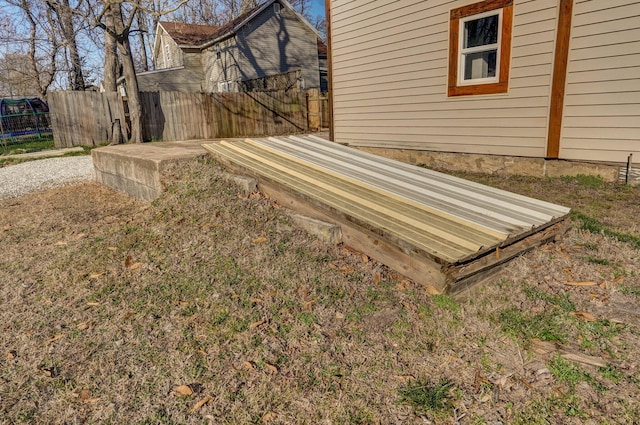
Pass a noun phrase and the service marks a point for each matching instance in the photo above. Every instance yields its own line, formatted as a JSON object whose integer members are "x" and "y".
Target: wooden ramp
{"x": 436, "y": 229}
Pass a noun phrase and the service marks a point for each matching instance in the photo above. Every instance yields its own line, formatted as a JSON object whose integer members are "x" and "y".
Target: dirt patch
{"x": 208, "y": 307}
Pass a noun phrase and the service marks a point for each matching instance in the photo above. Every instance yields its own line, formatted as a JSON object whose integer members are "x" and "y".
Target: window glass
{"x": 480, "y": 32}
{"x": 480, "y": 65}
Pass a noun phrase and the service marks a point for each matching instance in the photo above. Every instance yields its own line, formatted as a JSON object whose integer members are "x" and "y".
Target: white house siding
{"x": 602, "y": 103}
{"x": 174, "y": 58}
{"x": 390, "y": 63}
{"x": 253, "y": 52}
{"x": 222, "y": 69}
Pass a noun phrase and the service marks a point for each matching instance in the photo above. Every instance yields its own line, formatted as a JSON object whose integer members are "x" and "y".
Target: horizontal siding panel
{"x": 534, "y": 28}
{"x": 390, "y": 10}
{"x": 597, "y": 40}
{"x": 431, "y": 94}
{"x": 523, "y": 8}
{"x": 605, "y": 63}
{"x": 415, "y": 129}
{"x": 628, "y": 23}
{"x": 533, "y": 60}
{"x": 533, "y": 81}
{"x": 413, "y": 104}
{"x": 587, "y": 121}
{"x": 602, "y": 133}
{"x": 530, "y": 71}
{"x": 533, "y": 49}
{"x": 630, "y": 98}
{"x": 456, "y": 114}
{"x": 600, "y": 111}
{"x": 398, "y": 56}
{"x": 430, "y": 85}
{"x": 621, "y": 145}
{"x": 372, "y": 77}
{"x": 597, "y": 155}
{"x": 481, "y": 145}
{"x": 609, "y": 51}
{"x": 619, "y": 74}
{"x": 413, "y": 47}
{"x": 609, "y": 14}
{"x": 613, "y": 86}
{"x": 589, "y": 6}
{"x": 534, "y": 39}
{"x": 413, "y": 63}
{"x": 426, "y": 124}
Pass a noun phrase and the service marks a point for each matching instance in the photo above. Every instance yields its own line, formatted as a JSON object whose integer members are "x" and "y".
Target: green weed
{"x": 585, "y": 180}
{"x": 446, "y": 302}
{"x": 592, "y": 225}
{"x": 561, "y": 301}
{"x": 425, "y": 397}
{"x": 549, "y": 326}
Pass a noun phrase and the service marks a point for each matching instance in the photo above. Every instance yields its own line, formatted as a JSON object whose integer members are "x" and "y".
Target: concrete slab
{"x": 136, "y": 169}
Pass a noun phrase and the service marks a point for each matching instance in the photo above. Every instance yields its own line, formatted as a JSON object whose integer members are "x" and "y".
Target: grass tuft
{"x": 425, "y": 397}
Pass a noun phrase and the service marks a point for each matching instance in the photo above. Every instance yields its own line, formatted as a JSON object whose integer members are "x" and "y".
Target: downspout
{"x": 561, "y": 59}
{"x": 327, "y": 8}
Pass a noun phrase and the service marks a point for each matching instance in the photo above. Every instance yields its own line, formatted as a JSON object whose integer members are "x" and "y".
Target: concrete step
{"x": 136, "y": 169}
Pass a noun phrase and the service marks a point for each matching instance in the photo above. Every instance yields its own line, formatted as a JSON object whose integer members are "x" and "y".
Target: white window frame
{"x": 462, "y": 51}
{"x": 225, "y": 86}
{"x": 167, "y": 54}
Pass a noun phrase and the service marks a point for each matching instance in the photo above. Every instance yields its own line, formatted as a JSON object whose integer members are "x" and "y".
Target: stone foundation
{"x": 508, "y": 165}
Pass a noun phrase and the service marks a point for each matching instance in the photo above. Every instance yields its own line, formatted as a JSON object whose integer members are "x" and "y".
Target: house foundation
{"x": 509, "y": 165}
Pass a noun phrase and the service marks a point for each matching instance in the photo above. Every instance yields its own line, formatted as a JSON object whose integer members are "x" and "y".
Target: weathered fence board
{"x": 83, "y": 118}
{"x": 86, "y": 118}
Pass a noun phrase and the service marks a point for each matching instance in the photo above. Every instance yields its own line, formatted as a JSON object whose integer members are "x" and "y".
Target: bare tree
{"x": 30, "y": 66}
{"x": 63, "y": 13}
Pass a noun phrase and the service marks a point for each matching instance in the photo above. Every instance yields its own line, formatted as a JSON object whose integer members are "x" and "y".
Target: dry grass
{"x": 109, "y": 305}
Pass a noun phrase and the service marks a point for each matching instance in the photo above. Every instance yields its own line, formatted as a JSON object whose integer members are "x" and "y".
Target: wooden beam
{"x": 563, "y": 37}
{"x": 327, "y": 9}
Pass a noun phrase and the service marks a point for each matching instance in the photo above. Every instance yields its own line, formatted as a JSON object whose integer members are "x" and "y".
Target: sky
{"x": 317, "y": 7}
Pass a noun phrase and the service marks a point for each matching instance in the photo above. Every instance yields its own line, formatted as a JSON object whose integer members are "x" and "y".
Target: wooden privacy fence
{"x": 83, "y": 118}
{"x": 87, "y": 118}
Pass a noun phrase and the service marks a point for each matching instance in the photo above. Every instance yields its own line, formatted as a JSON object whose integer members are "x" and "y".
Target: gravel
{"x": 21, "y": 179}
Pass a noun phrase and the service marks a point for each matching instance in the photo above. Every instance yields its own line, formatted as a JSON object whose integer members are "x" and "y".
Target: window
{"x": 480, "y": 48}
{"x": 218, "y": 51}
{"x": 276, "y": 8}
{"x": 225, "y": 86}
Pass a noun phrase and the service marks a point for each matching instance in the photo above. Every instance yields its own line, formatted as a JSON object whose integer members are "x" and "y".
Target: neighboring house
{"x": 543, "y": 78}
{"x": 268, "y": 40}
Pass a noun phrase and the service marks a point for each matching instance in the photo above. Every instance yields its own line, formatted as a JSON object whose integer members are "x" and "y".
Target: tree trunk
{"x": 131, "y": 81}
{"x": 65, "y": 15}
{"x": 110, "y": 54}
{"x": 142, "y": 30}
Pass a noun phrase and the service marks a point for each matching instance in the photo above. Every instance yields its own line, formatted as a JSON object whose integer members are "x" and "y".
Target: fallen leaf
{"x": 83, "y": 326}
{"x": 346, "y": 269}
{"x": 255, "y": 300}
{"x": 267, "y": 417}
{"x": 133, "y": 266}
{"x": 91, "y": 400}
{"x": 365, "y": 258}
{"x": 81, "y": 235}
{"x": 581, "y": 283}
{"x": 260, "y": 240}
{"x": 308, "y": 305}
{"x": 339, "y": 316}
{"x": 95, "y": 275}
{"x": 12, "y": 355}
{"x": 60, "y": 243}
{"x": 84, "y": 395}
{"x": 55, "y": 338}
{"x": 248, "y": 365}
{"x": 129, "y": 315}
{"x": 92, "y": 304}
{"x": 128, "y": 261}
{"x": 50, "y": 372}
{"x": 432, "y": 290}
{"x": 332, "y": 266}
{"x": 377, "y": 279}
{"x": 182, "y": 390}
{"x": 112, "y": 248}
{"x": 200, "y": 403}
{"x": 584, "y": 315}
{"x": 271, "y": 368}
{"x": 256, "y": 324}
